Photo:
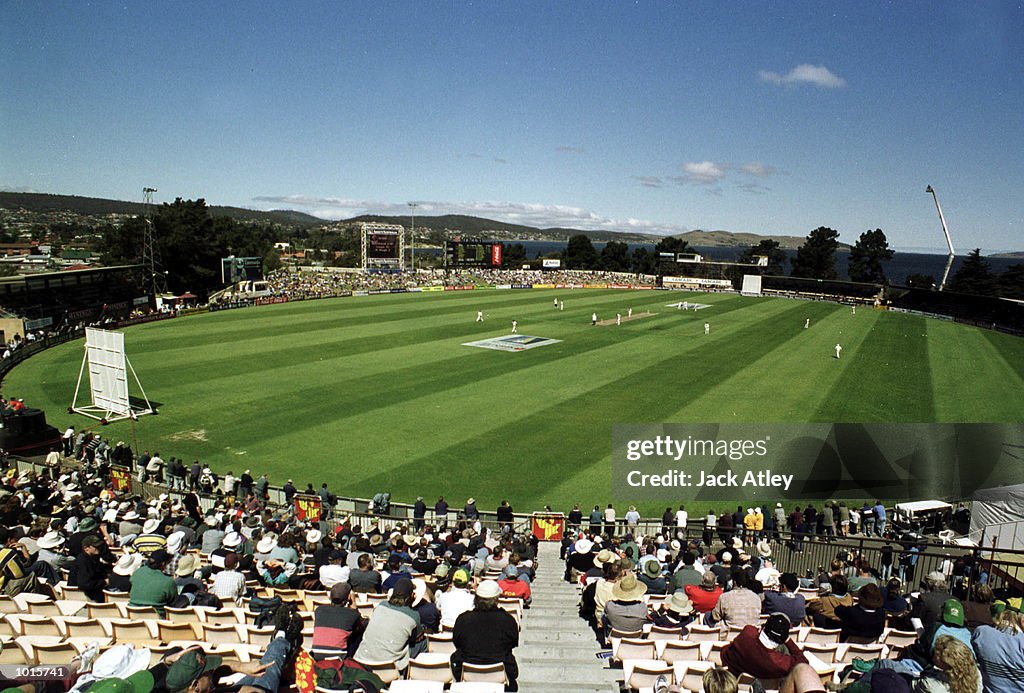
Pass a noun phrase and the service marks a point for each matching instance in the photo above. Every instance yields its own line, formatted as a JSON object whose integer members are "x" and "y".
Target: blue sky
{"x": 771, "y": 118}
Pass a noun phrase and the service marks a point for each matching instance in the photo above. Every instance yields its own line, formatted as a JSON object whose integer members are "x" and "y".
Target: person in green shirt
{"x": 151, "y": 586}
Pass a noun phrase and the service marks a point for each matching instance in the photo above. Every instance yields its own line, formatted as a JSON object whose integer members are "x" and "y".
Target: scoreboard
{"x": 460, "y": 254}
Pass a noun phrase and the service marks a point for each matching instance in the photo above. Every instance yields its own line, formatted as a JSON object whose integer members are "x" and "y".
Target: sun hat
{"x": 737, "y": 543}
{"x": 189, "y": 667}
{"x": 764, "y": 549}
{"x": 131, "y": 515}
{"x": 314, "y": 536}
{"x": 708, "y": 579}
{"x": 121, "y": 661}
{"x": 266, "y": 544}
{"x": 628, "y": 588}
{"x": 777, "y": 628}
{"x": 419, "y": 591}
{"x": 726, "y": 557}
{"x": 151, "y": 525}
{"x": 603, "y": 556}
{"x": 50, "y": 540}
{"x": 187, "y": 565}
{"x": 652, "y": 569}
{"x": 252, "y": 522}
{"x": 583, "y": 545}
{"x": 679, "y": 603}
{"x": 952, "y": 612}
{"x": 231, "y": 540}
{"x": 376, "y": 540}
{"x": 488, "y": 589}
{"x": 88, "y": 524}
{"x": 174, "y": 542}
{"x": 128, "y": 563}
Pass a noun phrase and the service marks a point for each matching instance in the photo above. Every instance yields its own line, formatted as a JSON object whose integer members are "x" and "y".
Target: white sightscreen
{"x": 108, "y": 379}
{"x": 751, "y": 285}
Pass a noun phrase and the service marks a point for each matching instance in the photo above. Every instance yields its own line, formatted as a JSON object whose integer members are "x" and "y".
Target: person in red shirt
{"x": 704, "y": 596}
{"x": 767, "y": 653}
{"x": 512, "y": 586}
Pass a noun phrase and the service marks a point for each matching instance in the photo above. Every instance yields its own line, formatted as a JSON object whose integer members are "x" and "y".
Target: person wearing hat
{"x": 512, "y": 586}
{"x": 335, "y": 623}
{"x": 786, "y": 599}
{"x": 88, "y": 571}
{"x": 334, "y": 571}
{"x": 124, "y": 568}
{"x": 675, "y": 612}
{"x": 626, "y": 611}
{"x": 651, "y": 577}
{"x": 580, "y": 558}
{"x": 999, "y": 649}
{"x": 50, "y": 545}
{"x": 486, "y": 635}
{"x": 864, "y": 622}
{"x": 765, "y": 653}
{"x": 393, "y": 630}
{"x": 151, "y": 586}
{"x": 823, "y": 609}
{"x": 456, "y": 600}
{"x": 151, "y": 538}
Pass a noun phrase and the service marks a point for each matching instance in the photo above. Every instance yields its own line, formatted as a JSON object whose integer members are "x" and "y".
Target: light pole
{"x": 949, "y": 241}
{"x": 412, "y": 238}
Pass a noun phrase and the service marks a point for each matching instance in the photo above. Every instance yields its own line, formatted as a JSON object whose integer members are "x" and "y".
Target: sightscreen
{"x": 108, "y": 378}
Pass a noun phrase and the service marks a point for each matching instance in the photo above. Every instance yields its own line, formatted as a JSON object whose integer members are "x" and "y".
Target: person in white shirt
{"x": 333, "y": 572}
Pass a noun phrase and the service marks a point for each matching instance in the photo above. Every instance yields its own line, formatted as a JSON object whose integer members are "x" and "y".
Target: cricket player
{"x": 479, "y": 316}
{"x": 839, "y": 350}
{"x": 515, "y": 327}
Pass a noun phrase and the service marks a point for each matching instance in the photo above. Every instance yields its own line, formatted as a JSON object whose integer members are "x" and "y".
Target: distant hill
{"x": 447, "y": 224}
{"x": 96, "y": 206}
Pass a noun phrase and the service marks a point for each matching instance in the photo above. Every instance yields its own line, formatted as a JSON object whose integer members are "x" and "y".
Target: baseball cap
{"x": 189, "y": 667}
{"x": 777, "y": 628}
{"x": 460, "y": 577}
{"x": 488, "y": 589}
{"x": 340, "y": 592}
{"x": 953, "y": 613}
{"x": 139, "y": 682}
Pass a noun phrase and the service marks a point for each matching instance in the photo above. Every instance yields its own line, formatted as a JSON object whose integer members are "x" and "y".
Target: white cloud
{"x": 703, "y": 172}
{"x": 816, "y": 75}
{"x": 525, "y": 213}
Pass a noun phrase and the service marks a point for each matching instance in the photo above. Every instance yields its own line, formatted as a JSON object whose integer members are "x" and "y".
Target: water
{"x": 902, "y": 265}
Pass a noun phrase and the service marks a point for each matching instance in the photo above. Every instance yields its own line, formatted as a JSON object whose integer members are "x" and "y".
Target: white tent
{"x": 998, "y": 512}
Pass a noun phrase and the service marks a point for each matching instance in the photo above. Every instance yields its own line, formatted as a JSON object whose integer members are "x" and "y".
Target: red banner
{"x": 496, "y": 255}
{"x": 120, "y": 479}
{"x": 308, "y": 508}
{"x": 549, "y": 527}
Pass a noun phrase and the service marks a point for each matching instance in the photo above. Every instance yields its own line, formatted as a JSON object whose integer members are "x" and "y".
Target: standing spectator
{"x": 289, "y": 491}
{"x": 263, "y": 489}
{"x": 505, "y": 517}
{"x": 867, "y": 519}
{"x": 609, "y": 520}
{"x": 596, "y": 517}
{"x": 419, "y": 513}
{"x": 575, "y": 518}
{"x": 245, "y": 484}
{"x": 441, "y": 512}
{"x": 470, "y": 511}
{"x": 880, "y": 518}
{"x": 682, "y": 517}
{"x": 193, "y": 476}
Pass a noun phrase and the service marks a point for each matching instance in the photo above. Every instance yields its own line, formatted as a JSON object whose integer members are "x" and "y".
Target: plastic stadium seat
{"x": 133, "y": 632}
{"x": 644, "y": 674}
{"x": 221, "y": 634}
{"x": 854, "y": 650}
{"x": 703, "y": 633}
{"x": 38, "y": 625}
{"x": 49, "y": 652}
{"x": 690, "y": 675}
{"x": 140, "y": 613}
{"x": 431, "y": 666}
{"x": 486, "y": 673}
{"x": 680, "y": 651}
{"x": 826, "y": 653}
{"x": 634, "y": 648}
{"x": 219, "y": 617}
{"x": 824, "y": 636}
{"x": 104, "y": 609}
{"x": 440, "y": 643}
{"x": 84, "y": 627}
{"x": 616, "y": 634}
{"x": 387, "y": 671}
{"x": 662, "y": 633}
{"x": 13, "y": 653}
{"x": 476, "y": 687}
{"x": 169, "y": 631}
{"x": 715, "y": 654}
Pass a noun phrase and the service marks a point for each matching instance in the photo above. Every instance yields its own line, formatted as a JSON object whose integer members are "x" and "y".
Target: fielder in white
{"x": 839, "y": 350}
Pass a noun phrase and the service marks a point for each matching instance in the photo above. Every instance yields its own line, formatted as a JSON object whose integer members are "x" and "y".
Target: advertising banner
{"x": 548, "y": 526}
{"x": 120, "y": 479}
{"x": 308, "y": 508}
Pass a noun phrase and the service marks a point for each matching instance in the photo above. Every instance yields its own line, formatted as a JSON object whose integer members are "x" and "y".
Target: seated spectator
{"x": 512, "y": 586}
{"x": 896, "y": 605}
{"x": 978, "y": 610}
{"x": 393, "y": 630}
{"x": 951, "y": 623}
{"x": 120, "y": 576}
{"x": 720, "y": 680}
{"x": 739, "y": 606}
{"x": 651, "y": 575}
{"x": 687, "y": 573}
{"x": 704, "y": 596}
{"x": 487, "y": 635}
{"x": 423, "y": 603}
{"x": 50, "y": 551}
{"x": 767, "y": 653}
{"x": 999, "y": 651}
{"x": 150, "y": 540}
{"x": 864, "y": 621}
{"x": 229, "y": 584}
{"x": 952, "y": 669}
{"x": 151, "y": 586}
{"x": 786, "y": 600}
{"x": 823, "y": 610}
{"x": 457, "y": 600}
{"x": 928, "y": 605}
{"x": 88, "y": 571}
{"x": 334, "y": 571}
{"x": 675, "y": 612}
{"x": 335, "y": 625}
{"x": 626, "y": 611}
{"x": 17, "y": 572}
{"x": 365, "y": 578}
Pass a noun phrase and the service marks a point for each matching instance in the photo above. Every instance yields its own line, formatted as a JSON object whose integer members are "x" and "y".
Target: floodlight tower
{"x": 157, "y": 281}
{"x": 412, "y": 236}
{"x": 949, "y": 242}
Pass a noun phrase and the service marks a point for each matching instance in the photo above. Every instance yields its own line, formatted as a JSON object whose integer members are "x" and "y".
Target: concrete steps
{"x": 557, "y": 651}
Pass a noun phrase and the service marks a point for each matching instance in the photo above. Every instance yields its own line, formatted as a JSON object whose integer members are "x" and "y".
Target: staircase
{"x": 557, "y": 650}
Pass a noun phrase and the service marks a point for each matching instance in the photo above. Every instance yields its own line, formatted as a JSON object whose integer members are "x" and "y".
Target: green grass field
{"x": 378, "y": 393}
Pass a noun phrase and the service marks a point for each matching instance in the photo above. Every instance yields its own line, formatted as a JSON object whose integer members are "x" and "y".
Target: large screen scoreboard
{"x": 471, "y": 253}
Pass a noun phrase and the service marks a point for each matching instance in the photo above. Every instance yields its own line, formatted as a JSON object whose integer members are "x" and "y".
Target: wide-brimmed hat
{"x": 231, "y": 540}
{"x": 602, "y": 557}
{"x": 252, "y": 522}
{"x": 764, "y": 549}
{"x": 679, "y": 603}
{"x": 174, "y": 542}
{"x": 737, "y": 543}
{"x": 419, "y": 591}
{"x": 376, "y": 540}
{"x": 188, "y": 564}
{"x": 266, "y": 544}
{"x": 652, "y": 569}
{"x": 88, "y": 524}
{"x": 50, "y": 540}
{"x": 121, "y": 661}
{"x": 583, "y": 545}
{"x": 488, "y": 589}
{"x": 151, "y": 525}
{"x": 128, "y": 563}
{"x": 628, "y": 588}
{"x": 314, "y": 536}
